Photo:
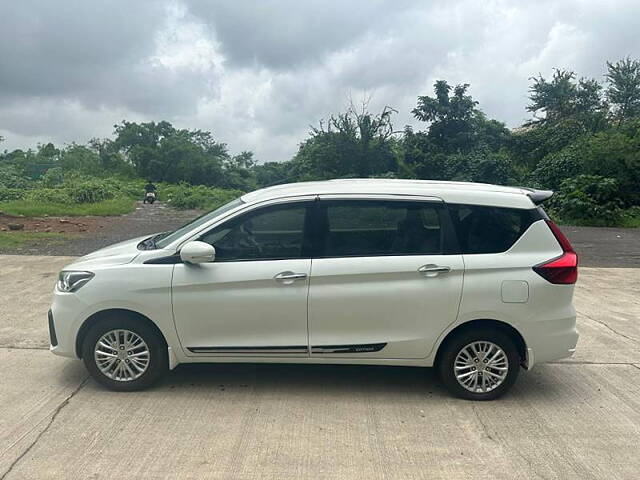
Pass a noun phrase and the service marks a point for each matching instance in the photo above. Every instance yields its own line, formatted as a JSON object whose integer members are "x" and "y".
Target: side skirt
{"x": 276, "y": 350}
{"x": 288, "y": 350}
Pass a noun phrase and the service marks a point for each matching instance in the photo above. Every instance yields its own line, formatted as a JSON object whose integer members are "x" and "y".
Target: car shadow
{"x": 306, "y": 378}
{"x": 537, "y": 385}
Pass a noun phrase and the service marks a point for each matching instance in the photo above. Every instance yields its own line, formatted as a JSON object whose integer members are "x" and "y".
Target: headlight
{"x": 70, "y": 281}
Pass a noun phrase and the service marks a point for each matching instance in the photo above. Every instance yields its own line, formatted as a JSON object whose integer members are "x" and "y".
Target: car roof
{"x": 450, "y": 192}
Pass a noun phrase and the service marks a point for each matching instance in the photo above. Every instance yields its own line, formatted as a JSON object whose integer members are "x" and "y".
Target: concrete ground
{"x": 578, "y": 418}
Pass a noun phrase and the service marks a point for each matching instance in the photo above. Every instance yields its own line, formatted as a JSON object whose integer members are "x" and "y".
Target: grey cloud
{"x": 71, "y": 69}
{"x": 282, "y": 34}
{"x": 95, "y": 53}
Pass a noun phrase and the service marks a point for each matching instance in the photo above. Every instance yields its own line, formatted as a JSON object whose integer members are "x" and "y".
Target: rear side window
{"x": 490, "y": 229}
{"x": 373, "y": 227}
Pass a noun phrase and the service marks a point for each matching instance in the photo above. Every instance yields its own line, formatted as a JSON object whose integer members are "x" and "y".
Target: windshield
{"x": 166, "y": 238}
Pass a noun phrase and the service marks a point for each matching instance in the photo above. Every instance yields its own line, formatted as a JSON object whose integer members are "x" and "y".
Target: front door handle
{"x": 289, "y": 277}
{"x": 431, "y": 270}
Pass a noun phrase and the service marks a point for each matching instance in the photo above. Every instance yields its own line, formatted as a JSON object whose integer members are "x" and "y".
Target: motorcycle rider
{"x": 149, "y": 188}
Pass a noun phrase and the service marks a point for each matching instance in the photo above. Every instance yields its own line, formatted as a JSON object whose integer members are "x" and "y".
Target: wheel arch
{"x": 504, "y": 327}
{"x": 110, "y": 312}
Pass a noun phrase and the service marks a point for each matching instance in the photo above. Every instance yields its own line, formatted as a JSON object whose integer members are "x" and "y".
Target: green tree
{"x": 111, "y": 159}
{"x": 356, "y": 143}
{"x": 80, "y": 158}
{"x": 449, "y": 117}
{"x": 556, "y": 100}
{"x": 611, "y": 153}
{"x": 460, "y": 142}
{"x": 272, "y": 173}
{"x": 623, "y": 90}
{"x": 239, "y": 173}
{"x": 160, "y": 152}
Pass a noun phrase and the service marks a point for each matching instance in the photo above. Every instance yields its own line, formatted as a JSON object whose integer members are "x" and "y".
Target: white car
{"x": 473, "y": 279}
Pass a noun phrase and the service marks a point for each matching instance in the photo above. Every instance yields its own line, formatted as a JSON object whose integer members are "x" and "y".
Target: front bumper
{"x": 65, "y": 318}
{"x": 52, "y": 330}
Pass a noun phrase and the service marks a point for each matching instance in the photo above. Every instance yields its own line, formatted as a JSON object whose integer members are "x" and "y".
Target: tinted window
{"x": 366, "y": 228}
{"x": 490, "y": 229}
{"x": 198, "y": 222}
{"x": 265, "y": 234}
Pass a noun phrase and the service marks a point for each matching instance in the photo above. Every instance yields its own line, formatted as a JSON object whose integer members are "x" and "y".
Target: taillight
{"x": 562, "y": 270}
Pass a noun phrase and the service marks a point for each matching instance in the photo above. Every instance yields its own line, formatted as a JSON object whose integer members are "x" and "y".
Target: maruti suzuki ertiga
{"x": 472, "y": 279}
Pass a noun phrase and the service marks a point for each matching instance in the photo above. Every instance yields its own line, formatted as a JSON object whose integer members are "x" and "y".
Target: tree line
{"x": 583, "y": 140}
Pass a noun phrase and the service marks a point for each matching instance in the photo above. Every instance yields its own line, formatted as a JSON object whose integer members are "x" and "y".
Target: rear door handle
{"x": 431, "y": 270}
{"x": 289, "y": 277}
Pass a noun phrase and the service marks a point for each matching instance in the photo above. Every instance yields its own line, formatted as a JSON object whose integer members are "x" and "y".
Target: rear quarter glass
{"x": 483, "y": 229}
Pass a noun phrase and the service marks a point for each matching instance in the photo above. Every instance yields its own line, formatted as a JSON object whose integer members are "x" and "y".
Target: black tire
{"x": 158, "y": 357}
{"x": 454, "y": 345}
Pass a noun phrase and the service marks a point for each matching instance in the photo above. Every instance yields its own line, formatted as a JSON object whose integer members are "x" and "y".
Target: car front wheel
{"x": 124, "y": 354}
{"x": 479, "y": 365}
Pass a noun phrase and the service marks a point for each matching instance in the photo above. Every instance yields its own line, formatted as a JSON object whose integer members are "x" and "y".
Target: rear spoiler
{"x": 538, "y": 196}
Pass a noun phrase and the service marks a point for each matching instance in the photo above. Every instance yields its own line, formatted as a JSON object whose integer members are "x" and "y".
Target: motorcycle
{"x": 149, "y": 197}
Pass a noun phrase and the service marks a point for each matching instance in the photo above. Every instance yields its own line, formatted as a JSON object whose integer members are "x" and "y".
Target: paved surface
{"x": 575, "y": 419}
{"x": 605, "y": 247}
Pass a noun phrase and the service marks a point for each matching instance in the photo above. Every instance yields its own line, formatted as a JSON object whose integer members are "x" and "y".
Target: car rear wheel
{"x": 124, "y": 354}
{"x": 479, "y": 364}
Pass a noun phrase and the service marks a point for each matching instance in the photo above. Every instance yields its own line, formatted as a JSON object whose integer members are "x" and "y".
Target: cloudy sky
{"x": 258, "y": 73}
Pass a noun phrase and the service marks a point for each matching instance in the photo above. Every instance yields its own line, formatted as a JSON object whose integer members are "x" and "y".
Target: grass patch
{"x": 630, "y": 222}
{"x": 629, "y": 218}
{"x": 625, "y": 222}
{"x": 115, "y": 206}
{"x": 11, "y": 240}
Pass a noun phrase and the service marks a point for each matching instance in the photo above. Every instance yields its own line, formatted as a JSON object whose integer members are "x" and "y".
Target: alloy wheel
{"x": 481, "y": 366}
{"x": 122, "y": 355}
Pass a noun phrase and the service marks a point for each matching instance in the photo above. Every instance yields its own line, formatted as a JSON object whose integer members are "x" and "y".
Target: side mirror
{"x": 197, "y": 252}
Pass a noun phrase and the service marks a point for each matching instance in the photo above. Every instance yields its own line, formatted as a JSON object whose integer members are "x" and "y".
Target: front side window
{"x": 372, "y": 228}
{"x": 168, "y": 237}
{"x": 270, "y": 233}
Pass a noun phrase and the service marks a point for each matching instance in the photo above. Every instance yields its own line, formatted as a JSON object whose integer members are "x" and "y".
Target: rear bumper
{"x": 551, "y": 340}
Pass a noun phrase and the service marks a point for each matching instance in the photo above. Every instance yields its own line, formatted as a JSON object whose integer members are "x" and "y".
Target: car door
{"x": 387, "y": 279}
{"x": 252, "y": 299}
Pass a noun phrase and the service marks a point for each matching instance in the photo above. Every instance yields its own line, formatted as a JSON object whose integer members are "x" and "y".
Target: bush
{"x": 52, "y": 177}
{"x": 588, "y": 200}
{"x": 7, "y": 193}
{"x": 131, "y": 188}
{"x": 555, "y": 168}
{"x": 12, "y": 177}
{"x": 184, "y": 196}
{"x": 47, "y": 195}
{"x": 480, "y": 166}
{"x": 90, "y": 191}
{"x": 71, "y": 188}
